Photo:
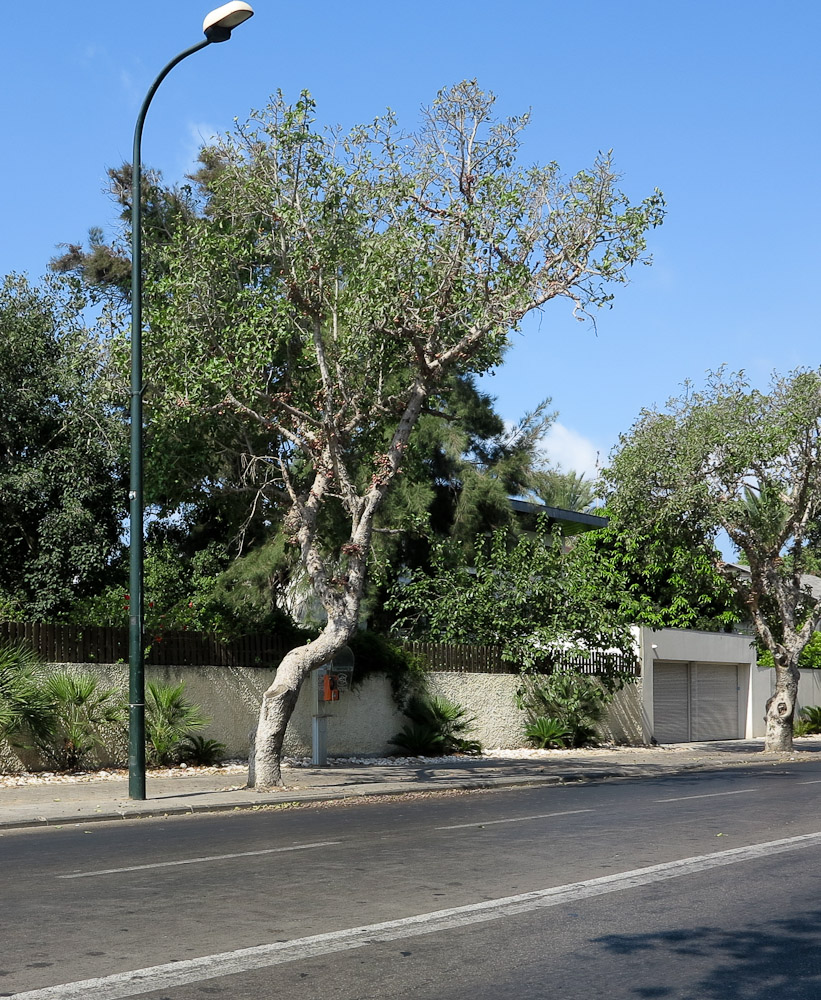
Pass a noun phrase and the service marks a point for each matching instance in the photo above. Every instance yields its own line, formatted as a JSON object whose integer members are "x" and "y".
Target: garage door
{"x": 695, "y": 701}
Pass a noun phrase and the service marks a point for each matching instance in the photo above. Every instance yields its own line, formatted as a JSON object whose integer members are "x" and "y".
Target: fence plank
{"x": 63, "y": 643}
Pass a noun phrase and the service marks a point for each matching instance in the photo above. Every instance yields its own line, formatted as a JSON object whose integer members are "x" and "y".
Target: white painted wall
{"x": 809, "y": 688}
{"x": 364, "y": 720}
{"x": 690, "y": 646}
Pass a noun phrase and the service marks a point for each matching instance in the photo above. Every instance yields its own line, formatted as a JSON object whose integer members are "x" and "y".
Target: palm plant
{"x": 198, "y": 749}
{"x": 545, "y": 732}
{"x": 169, "y": 720}
{"x": 436, "y": 727}
{"x": 25, "y": 712}
{"x": 578, "y": 702}
{"x": 82, "y": 710}
{"x": 809, "y": 721}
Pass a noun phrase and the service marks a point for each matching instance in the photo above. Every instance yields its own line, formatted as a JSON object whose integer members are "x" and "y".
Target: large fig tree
{"x": 330, "y": 289}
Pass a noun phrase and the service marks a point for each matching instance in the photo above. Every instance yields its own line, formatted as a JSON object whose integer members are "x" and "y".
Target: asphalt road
{"x": 687, "y": 887}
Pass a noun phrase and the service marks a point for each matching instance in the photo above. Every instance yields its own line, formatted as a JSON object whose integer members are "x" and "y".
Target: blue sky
{"x": 716, "y": 103}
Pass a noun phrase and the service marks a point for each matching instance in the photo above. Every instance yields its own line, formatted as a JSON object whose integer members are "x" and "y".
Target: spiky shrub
{"x": 546, "y": 733}
{"x": 198, "y": 749}
{"x": 809, "y": 721}
{"x": 576, "y": 700}
{"x": 436, "y": 727}
{"x": 25, "y": 712}
{"x": 83, "y": 714}
{"x": 169, "y": 720}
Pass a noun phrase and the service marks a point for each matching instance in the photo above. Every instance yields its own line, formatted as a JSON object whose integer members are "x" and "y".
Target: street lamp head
{"x": 219, "y": 24}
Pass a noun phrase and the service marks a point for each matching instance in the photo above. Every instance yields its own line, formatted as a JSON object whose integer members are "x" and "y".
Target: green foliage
{"x": 330, "y": 290}
{"x": 66, "y": 717}
{"x": 661, "y": 575}
{"x": 169, "y": 721}
{"x": 82, "y": 715}
{"x": 546, "y": 733}
{"x": 535, "y": 598}
{"x": 567, "y": 490}
{"x": 577, "y": 702}
{"x": 198, "y": 749}
{"x": 333, "y": 276}
{"x": 732, "y": 458}
{"x": 25, "y": 711}
{"x": 106, "y": 270}
{"x": 809, "y": 721}
{"x": 62, "y": 717}
{"x": 437, "y": 727}
{"x": 809, "y": 658}
{"x": 61, "y": 448}
{"x": 199, "y": 591}
{"x": 377, "y": 654}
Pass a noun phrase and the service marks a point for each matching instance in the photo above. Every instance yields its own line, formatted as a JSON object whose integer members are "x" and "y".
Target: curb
{"x": 153, "y": 811}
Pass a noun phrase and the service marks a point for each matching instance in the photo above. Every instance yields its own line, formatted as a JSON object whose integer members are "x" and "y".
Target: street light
{"x": 217, "y": 27}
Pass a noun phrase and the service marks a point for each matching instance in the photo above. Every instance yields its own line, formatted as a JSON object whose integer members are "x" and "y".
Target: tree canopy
{"x": 61, "y": 451}
{"x": 536, "y": 598}
{"x": 733, "y": 458}
{"x": 660, "y": 574}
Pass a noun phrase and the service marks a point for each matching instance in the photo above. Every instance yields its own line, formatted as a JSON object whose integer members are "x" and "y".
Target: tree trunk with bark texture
{"x": 781, "y": 706}
{"x": 279, "y": 701}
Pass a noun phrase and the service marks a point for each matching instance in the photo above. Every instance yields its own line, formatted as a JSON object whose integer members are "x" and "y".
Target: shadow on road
{"x": 764, "y": 959}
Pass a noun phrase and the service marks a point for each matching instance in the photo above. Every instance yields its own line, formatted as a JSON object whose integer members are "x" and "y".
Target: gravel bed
{"x": 241, "y": 766}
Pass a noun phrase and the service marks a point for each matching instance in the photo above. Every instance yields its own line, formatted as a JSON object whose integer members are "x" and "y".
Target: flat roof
{"x": 571, "y": 521}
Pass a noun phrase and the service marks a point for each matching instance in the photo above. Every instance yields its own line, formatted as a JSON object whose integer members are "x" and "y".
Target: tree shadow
{"x": 771, "y": 958}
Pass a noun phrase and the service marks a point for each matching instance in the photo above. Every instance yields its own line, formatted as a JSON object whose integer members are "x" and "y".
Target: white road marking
{"x": 195, "y": 970}
{"x": 198, "y": 861}
{"x": 709, "y": 795}
{"x": 514, "y": 819}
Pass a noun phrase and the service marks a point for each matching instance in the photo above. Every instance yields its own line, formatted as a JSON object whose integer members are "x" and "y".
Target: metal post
{"x": 136, "y": 659}
{"x": 319, "y": 720}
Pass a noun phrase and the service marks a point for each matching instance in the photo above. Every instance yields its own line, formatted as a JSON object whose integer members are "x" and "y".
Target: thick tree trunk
{"x": 279, "y": 702}
{"x": 781, "y": 707}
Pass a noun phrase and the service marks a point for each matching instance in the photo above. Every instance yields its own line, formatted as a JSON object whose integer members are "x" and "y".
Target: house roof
{"x": 569, "y": 522}
{"x": 807, "y": 579}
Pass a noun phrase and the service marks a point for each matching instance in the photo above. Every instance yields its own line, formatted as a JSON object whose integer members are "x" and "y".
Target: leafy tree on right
{"x": 733, "y": 458}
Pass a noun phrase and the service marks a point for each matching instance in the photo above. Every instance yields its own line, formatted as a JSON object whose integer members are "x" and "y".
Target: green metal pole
{"x": 136, "y": 660}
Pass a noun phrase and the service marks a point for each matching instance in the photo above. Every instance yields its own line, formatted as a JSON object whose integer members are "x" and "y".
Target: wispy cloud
{"x": 198, "y": 134}
{"x": 132, "y": 91}
{"x": 571, "y": 451}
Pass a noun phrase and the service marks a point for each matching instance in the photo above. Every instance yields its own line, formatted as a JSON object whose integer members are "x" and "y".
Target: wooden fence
{"x": 98, "y": 644}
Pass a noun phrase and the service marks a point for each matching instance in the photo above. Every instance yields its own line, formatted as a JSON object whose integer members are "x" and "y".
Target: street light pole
{"x": 217, "y": 27}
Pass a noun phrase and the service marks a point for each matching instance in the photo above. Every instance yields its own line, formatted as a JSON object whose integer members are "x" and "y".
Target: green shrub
{"x": 808, "y": 722}
{"x": 436, "y": 727}
{"x": 62, "y": 718}
{"x": 377, "y": 654}
{"x": 197, "y": 749}
{"x": 25, "y": 712}
{"x": 81, "y": 713}
{"x": 169, "y": 721}
{"x": 575, "y": 700}
{"x": 808, "y": 659}
{"x": 546, "y": 732}
{"x": 419, "y": 740}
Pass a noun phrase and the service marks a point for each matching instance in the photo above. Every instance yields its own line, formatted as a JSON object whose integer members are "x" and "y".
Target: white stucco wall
{"x": 363, "y": 720}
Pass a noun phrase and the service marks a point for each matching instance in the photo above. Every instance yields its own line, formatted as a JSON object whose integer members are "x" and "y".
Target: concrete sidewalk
{"x": 58, "y": 801}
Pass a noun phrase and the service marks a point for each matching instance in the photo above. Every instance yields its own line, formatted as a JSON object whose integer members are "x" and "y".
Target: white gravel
{"x": 241, "y": 766}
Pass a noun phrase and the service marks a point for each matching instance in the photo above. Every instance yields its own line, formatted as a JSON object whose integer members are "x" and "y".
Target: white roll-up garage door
{"x": 695, "y": 701}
